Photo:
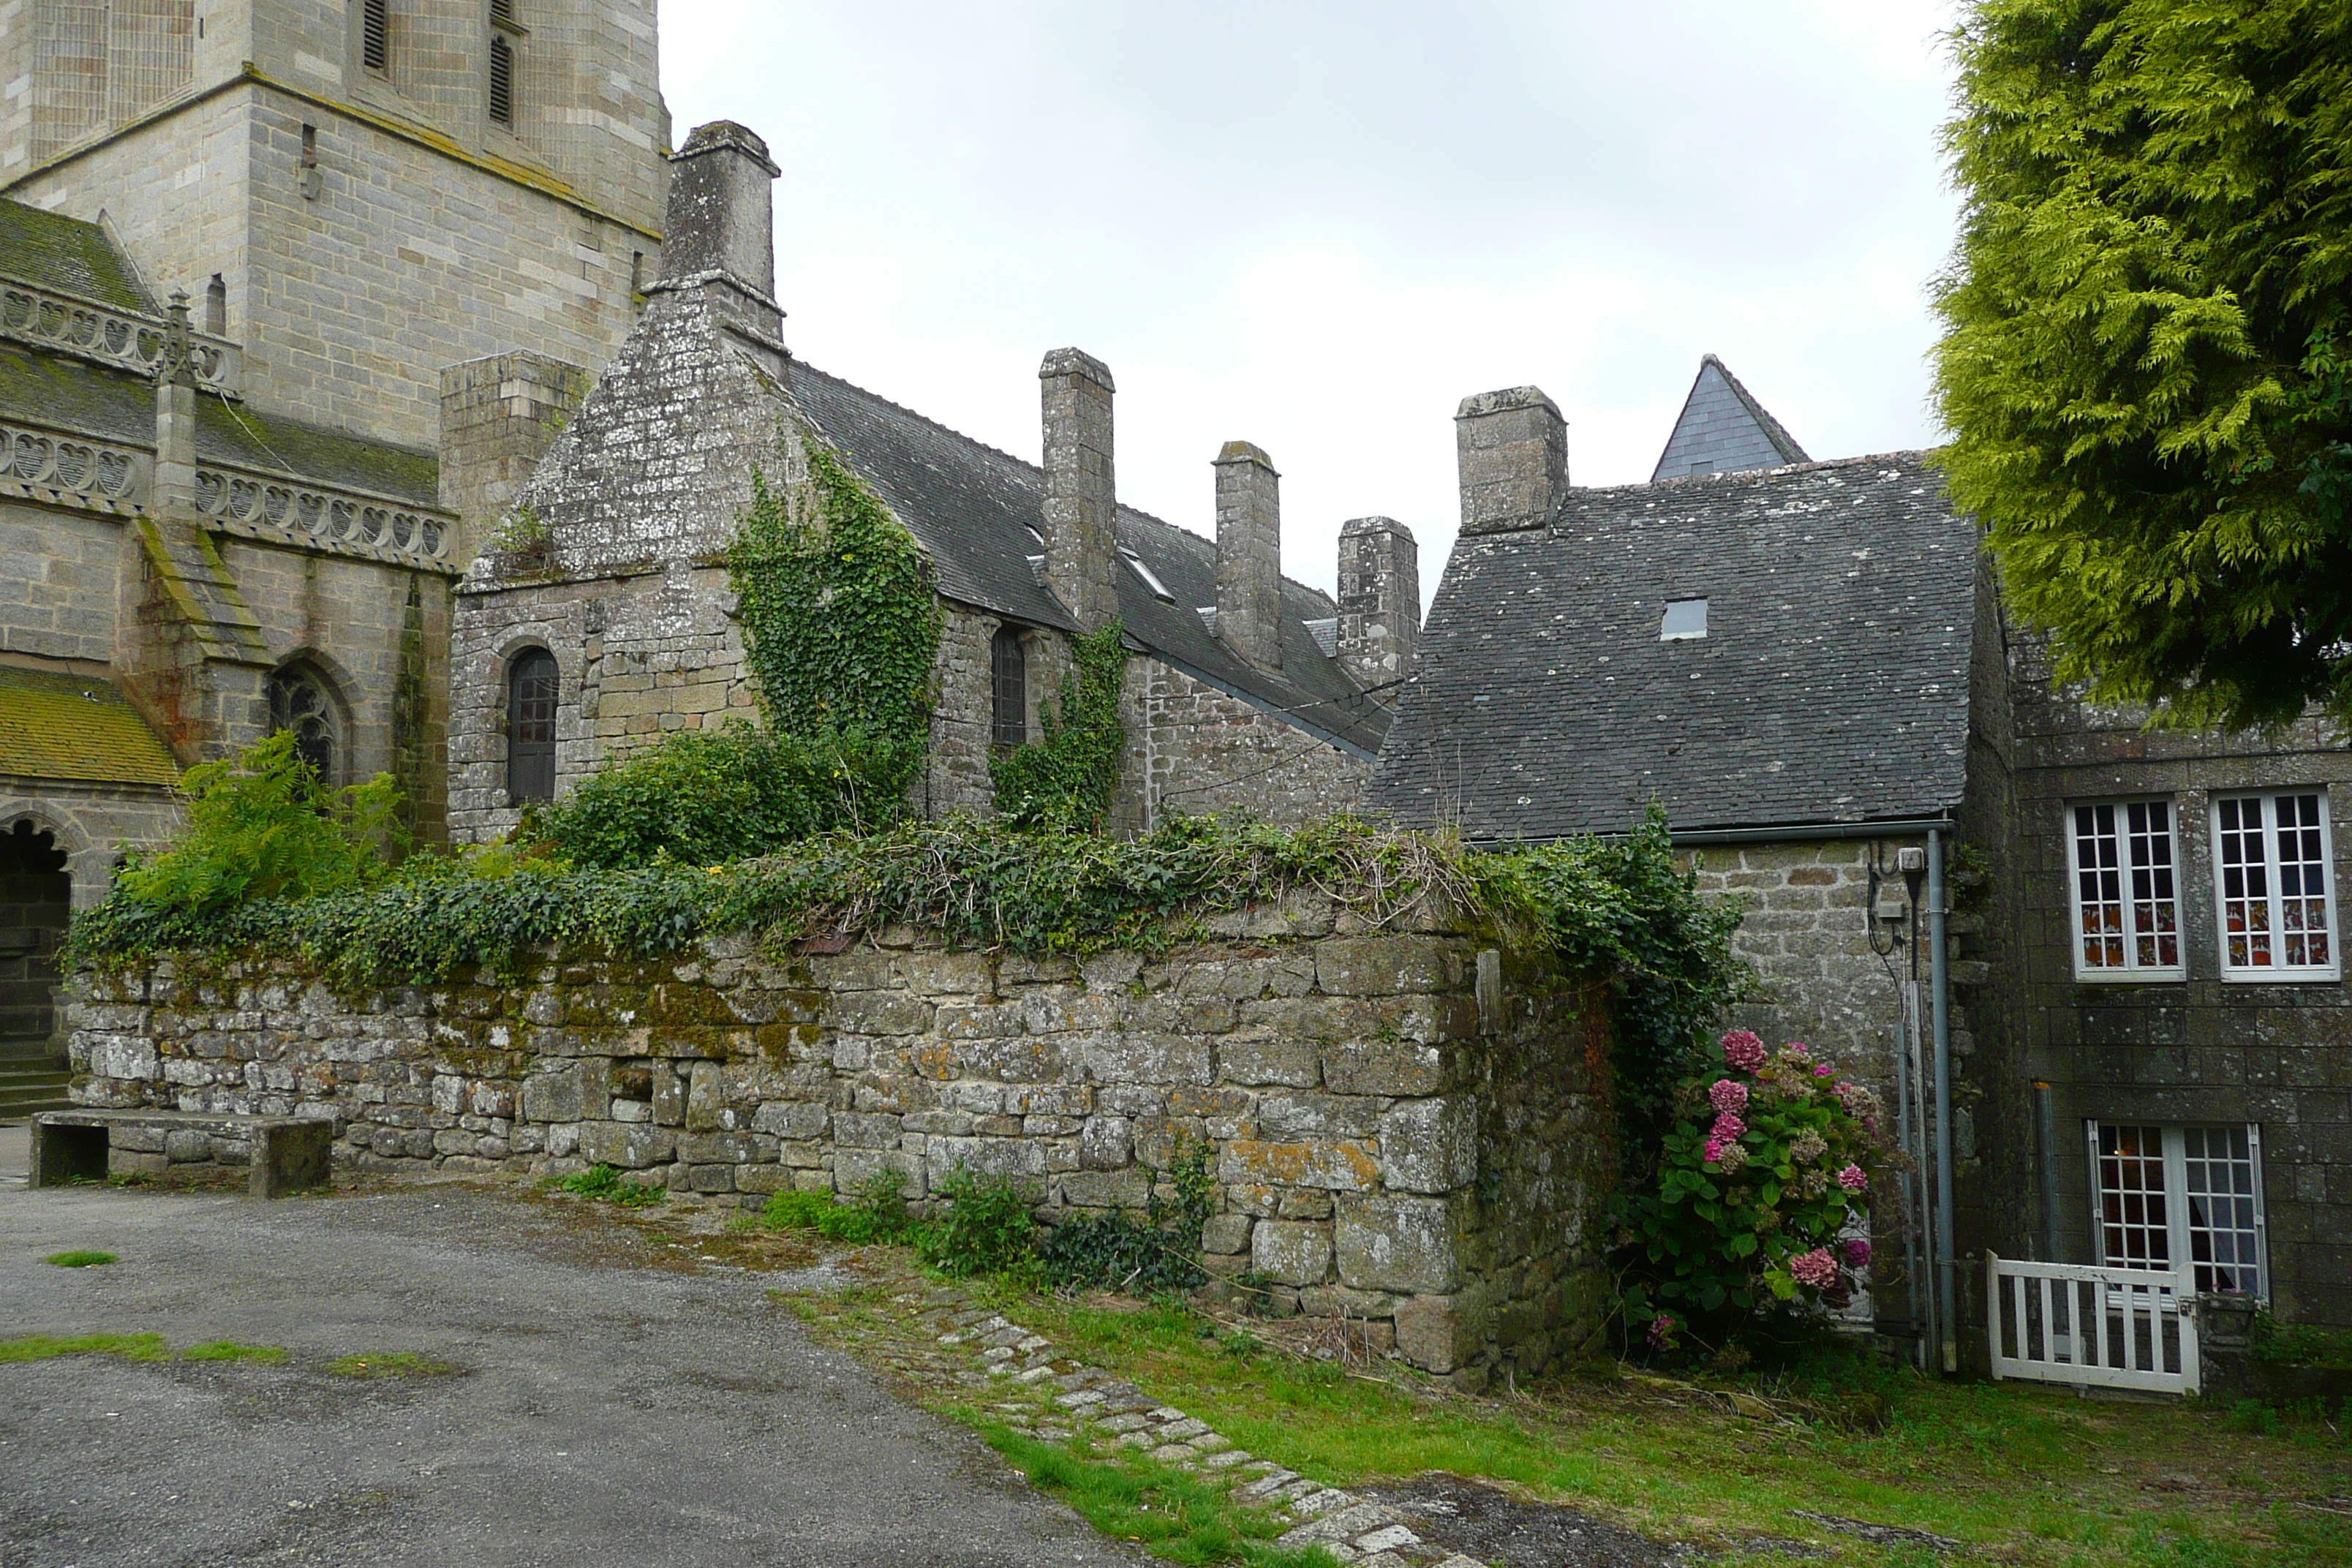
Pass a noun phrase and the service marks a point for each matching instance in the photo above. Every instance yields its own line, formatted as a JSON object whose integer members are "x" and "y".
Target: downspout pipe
{"x": 1939, "y": 991}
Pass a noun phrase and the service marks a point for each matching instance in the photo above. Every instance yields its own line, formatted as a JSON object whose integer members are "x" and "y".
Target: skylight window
{"x": 1150, "y": 578}
{"x": 1686, "y": 621}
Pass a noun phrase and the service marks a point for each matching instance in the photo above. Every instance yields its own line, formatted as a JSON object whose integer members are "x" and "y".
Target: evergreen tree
{"x": 2147, "y": 361}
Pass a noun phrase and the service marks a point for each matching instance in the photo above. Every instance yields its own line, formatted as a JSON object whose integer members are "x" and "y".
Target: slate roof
{"x": 974, "y": 507}
{"x": 1722, "y": 429}
{"x": 74, "y": 727}
{"x": 69, "y": 394}
{"x": 66, "y": 254}
{"x": 1831, "y": 685}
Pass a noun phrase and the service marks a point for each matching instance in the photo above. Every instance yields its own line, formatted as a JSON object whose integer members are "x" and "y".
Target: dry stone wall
{"x": 1405, "y": 1126}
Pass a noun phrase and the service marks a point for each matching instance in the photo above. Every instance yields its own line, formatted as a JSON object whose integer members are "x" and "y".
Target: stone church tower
{"x": 359, "y": 193}
{"x": 291, "y": 293}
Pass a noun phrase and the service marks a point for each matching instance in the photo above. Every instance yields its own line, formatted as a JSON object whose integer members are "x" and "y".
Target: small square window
{"x": 1686, "y": 621}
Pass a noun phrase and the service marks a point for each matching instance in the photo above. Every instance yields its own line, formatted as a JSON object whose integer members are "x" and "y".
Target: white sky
{"x": 1318, "y": 227}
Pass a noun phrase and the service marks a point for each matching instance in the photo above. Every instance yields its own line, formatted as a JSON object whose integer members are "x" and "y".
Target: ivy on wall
{"x": 1065, "y": 782}
{"x": 840, "y": 630}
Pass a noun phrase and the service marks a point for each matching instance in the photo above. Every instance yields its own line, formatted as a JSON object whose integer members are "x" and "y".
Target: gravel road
{"x": 609, "y": 1410}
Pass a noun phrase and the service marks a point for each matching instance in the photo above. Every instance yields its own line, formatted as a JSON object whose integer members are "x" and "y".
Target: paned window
{"x": 2275, "y": 883}
{"x": 375, "y": 33}
{"x": 2180, "y": 1197}
{"x": 1008, "y": 663}
{"x": 531, "y": 726}
{"x": 299, "y": 702}
{"x": 2127, "y": 891}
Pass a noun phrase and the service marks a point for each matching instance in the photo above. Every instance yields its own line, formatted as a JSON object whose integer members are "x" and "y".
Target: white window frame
{"x": 2274, "y": 973}
{"x": 2131, "y": 972}
{"x": 2180, "y": 1248}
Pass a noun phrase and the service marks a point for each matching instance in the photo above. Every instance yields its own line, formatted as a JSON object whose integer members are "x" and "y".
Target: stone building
{"x": 243, "y": 244}
{"x": 1810, "y": 666}
{"x": 610, "y": 624}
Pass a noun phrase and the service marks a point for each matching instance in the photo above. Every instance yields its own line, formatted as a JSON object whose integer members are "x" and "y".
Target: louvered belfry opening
{"x": 531, "y": 726}
{"x": 502, "y": 103}
{"x": 1009, "y": 670}
{"x": 375, "y": 33}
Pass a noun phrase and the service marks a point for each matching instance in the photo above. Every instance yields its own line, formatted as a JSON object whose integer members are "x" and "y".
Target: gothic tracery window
{"x": 300, "y": 702}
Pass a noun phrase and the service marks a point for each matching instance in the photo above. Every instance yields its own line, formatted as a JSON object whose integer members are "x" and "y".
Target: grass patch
{"x": 1131, "y": 1497}
{"x": 133, "y": 1347}
{"x": 391, "y": 1363}
{"x": 229, "y": 1350}
{"x": 606, "y": 1184}
{"x": 79, "y": 1259}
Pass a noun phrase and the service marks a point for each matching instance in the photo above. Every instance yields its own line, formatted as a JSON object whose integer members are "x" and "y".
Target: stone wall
{"x": 60, "y": 583}
{"x": 94, "y": 824}
{"x": 1195, "y": 749}
{"x": 1404, "y": 1126}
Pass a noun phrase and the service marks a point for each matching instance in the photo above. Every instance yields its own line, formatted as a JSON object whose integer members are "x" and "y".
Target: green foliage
{"x": 1771, "y": 1158}
{"x": 607, "y": 1185}
{"x": 525, "y": 538}
{"x": 703, "y": 796}
{"x": 986, "y": 1227}
{"x": 79, "y": 1259}
{"x": 391, "y": 1363}
{"x": 1065, "y": 783}
{"x": 1178, "y": 1516}
{"x": 877, "y": 1214}
{"x": 1115, "y": 1251}
{"x": 2148, "y": 358}
{"x": 841, "y": 627}
{"x": 2301, "y": 1344}
{"x": 263, "y": 826}
{"x": 1625, "y": 909}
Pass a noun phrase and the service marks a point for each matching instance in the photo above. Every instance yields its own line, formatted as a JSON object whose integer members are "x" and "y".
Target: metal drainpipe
{"x": 1939, "y": 985}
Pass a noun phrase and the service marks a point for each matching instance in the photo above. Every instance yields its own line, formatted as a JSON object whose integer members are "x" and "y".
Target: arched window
{"x": 300, "y": 702}
{"x": 531, "y": 726}
{"x": 1008, "y": 666}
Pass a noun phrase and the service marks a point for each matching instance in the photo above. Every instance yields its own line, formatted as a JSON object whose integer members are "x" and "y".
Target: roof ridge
{"x": 949, "y": 430}
{"x": 1736, "y": 474}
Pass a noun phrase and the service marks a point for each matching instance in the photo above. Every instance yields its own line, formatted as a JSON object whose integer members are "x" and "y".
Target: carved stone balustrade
{"x": 125, "y": 340}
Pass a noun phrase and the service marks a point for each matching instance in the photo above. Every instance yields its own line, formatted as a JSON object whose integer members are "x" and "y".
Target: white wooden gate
{"x": 2110, "y": 1328}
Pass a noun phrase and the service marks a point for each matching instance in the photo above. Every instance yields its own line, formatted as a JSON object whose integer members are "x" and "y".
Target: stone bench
{"x": 284, "y": 1153}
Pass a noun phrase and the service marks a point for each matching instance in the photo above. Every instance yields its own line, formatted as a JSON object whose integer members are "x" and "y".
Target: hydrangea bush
{"x": 1769, "y": 1166}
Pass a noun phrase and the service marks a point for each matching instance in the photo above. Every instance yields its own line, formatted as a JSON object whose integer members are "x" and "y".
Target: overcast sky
{"x": 1318, "y": 227}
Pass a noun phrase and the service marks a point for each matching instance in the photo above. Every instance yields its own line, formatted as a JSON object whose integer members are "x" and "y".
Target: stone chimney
{"x": 498, "y": 417}
{"x": 718, "y": 239}
{"x": 1249, "y": 554}
{"x": 1512, "y": 448}
{"x": 1380, "y": 601}
{"x": 1081, "y": 489}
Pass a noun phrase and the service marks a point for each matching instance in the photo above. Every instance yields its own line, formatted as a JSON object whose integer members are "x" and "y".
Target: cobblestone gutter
{"x": 1404, "y": 1124}
{"x": 1058, "y": 1399}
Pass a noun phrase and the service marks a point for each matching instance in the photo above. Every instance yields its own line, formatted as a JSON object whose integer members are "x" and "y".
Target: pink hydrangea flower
{"x": 1852, "y": 1179}
{"x": 1824, "y": 1070}
{"x": 1857, "y": 1253}
{"x": 1729, "y": 1095}
{"x": 1728, "y": 1126}
{"x": 1744, "y": 1048}
{"x": 1816, "y": 1268}
{"x": 1714, "y": 1148}
{"x": 1797, "y": 1052}
{"x": 1661, "y": 1330}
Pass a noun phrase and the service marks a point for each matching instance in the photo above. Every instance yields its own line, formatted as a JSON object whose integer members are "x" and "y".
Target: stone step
{"x": 24, "y": 1090}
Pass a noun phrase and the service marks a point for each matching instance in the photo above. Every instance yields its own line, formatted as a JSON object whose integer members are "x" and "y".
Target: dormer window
{"x": 1150, "y": 578}
{"x": 1686, "y": 621}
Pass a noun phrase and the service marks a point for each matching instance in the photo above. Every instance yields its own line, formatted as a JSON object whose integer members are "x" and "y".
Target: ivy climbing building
{"x": 601, "y": 615}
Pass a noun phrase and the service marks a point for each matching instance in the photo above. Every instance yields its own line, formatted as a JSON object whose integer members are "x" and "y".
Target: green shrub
{"x": 878, "y": 1213}
{"x": 985, "y": 1228}
{"x": 2301, "y": 1344}
{"x": 1115, "y": 1251}
{"x": 263, "y": 826}
{"x": 1772, "y": 1159}
{"x": 607, "y": 1185}
{"x": 703, "y": 796}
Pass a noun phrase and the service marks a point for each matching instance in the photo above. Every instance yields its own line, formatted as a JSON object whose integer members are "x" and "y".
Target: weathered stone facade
{"x": 1193, "y": 749}
{"x": 1404, "y": 1126}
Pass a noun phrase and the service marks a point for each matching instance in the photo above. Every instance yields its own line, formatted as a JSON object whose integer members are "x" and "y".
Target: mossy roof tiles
{"x": 68, "y": 254}
{"x": 75, "y": 727}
